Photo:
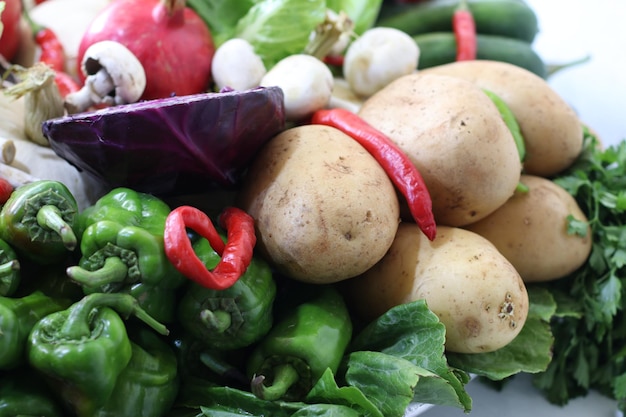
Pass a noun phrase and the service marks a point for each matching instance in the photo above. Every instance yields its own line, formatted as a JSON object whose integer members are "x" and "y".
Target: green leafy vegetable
{"x": 221, "y": 16}
{"x": 362, "y": 12}
{"x": 279, "y": 28}
{"x": 589, "y": 326}
{"x": 412, "y": 332}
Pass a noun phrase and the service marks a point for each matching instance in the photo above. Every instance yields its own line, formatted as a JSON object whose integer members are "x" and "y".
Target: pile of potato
{"x": 327, "y": 213}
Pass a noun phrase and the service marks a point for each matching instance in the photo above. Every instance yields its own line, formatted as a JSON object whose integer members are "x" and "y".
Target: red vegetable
{"x": 5, "y": 190}
{"x": 173, "y": 145}
{"x": 10, "y": 37}
{"x": 464, "y": 28}
{"x": 171, "y": 41}
{"x": 236, "y": 253}
{"x": 396, "y": 163}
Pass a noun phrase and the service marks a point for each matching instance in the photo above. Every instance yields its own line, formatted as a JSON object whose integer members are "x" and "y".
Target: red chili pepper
{"x": 464, "y": 28}
{"x": 5, "y": 190}
{"x": 52, "y": 52}
{"x": 401, "y": 170}
{"x": 334, "y": 60}
{"x": 66, "y": 83}
{"x": 236, "y": 254}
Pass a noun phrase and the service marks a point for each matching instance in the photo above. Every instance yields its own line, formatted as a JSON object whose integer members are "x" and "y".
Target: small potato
{"x": 477, "y": 294}
{"x": 552, "y": 131}
{"x": 324, "y": 209}
{"x": 530, "y": 230}
{"x": 456, "y": 137}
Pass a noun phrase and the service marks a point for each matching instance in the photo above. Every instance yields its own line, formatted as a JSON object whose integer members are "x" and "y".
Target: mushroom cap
{"x": 124, "y": 68}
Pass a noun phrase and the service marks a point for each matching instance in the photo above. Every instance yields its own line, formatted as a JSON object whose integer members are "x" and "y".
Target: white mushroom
{"x": 113, "y": 74}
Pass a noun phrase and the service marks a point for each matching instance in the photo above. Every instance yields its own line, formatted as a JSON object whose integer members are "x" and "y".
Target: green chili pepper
{"x": 232, "y": 318}
{"x": 300, "y": 347}
{"x": 17, "y": 318}
{"x": 9, "y": 270}
{"x": 122, "y": 251}
{"x": 39, "y": 220}
{"x": 84, "y": 349}
{"x": 148, "y": 385}
{"x": 24, "y": 393}
{"x": 510, "y": 121}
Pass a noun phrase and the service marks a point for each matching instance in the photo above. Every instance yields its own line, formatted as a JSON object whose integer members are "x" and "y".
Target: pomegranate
{"x": 171, "y": 41}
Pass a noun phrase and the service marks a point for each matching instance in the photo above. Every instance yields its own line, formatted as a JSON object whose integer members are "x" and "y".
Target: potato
{"x": 325, "y": 210}
{"x": 455, "y": 136}
{"x": 476, "y": 293}
{"x": 552, "y": 131}
{"x": 530, "y": 230}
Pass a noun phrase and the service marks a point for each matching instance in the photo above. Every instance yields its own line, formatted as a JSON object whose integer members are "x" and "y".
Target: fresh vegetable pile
{"x": 296, "y": 208}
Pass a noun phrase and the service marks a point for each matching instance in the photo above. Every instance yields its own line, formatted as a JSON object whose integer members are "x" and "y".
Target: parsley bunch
{"x": 589, "y": 325}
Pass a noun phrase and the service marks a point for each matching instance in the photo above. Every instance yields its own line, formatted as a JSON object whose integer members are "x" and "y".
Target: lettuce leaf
{"x": 279, "y": 28}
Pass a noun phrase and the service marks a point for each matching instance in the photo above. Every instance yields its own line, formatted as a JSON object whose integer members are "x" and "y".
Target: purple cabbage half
{"x": 174, "y": 145}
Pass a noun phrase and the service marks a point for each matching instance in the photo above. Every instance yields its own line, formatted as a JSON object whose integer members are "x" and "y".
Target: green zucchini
{"x": 439, "y": 48}
{"x": 510, "y": 18}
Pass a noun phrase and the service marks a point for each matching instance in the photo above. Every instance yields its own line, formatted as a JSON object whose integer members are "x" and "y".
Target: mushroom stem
{"x": 113, "y": 75}
{"x": 98, "y": 89}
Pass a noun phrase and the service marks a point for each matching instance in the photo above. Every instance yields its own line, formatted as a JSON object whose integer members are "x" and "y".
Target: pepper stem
{"x": 49, "y": 217}
{"x": 78, "y": 323}
{"x": 218, "y": 320}
{"x": 113, "y": 270}
{"x": 9, "y": 267}
{"x": 285, "y": 375}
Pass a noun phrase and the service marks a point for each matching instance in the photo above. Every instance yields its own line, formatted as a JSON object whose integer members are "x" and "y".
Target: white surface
{"x": 572, "y": 29}
{"x": 569, "y": 30}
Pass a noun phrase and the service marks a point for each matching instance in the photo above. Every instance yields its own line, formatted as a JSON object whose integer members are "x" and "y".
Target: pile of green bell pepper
{"x": 121, "y": 250}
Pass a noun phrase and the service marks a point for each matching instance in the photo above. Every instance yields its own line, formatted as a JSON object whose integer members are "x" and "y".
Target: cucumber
{"x": 439, "y": 48}
{"x": 510, "y": 18}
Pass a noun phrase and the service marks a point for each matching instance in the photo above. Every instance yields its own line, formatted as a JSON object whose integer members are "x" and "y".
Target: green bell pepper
{"x": 122, "y": 251}
{"x": 128, "y": 207}
{"x": 232, "y": 318}
{"x": 24, "y": 393}
{"x": 17, "y": 318}
{"x": 301, "y": 347}
{"x": 39, "y": 221}
{"x": 83, "y": 350}
{"x": 9, "y": 270}
{"x": 148, "y": 385}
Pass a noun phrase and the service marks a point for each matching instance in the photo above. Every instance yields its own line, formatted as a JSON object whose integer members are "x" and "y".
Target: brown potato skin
{"x": 552, "y": 130}
{"x": 456, "y": 138}
{"x": 324, "y": 209}
{"x": 530, "y": 230}
{"x": 476, "y": 293}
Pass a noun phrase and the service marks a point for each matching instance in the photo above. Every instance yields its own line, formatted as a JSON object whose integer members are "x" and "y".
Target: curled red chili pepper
{"x": 400, "y": 169}
{"x": 236, "y": 254}
{"x": 464, "y": 28}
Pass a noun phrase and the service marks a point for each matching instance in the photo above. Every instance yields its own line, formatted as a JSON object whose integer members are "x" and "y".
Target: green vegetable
{"x": 438, "y": 48}
{"x": 412, "y": 332}
{"x": 508, "y": 18}
{"x": 232, "y": 318}
{"x": 24, "y": 393}
{"x": 300, "y": 347}
{"x": 9, "y": 270}
{"x": 149, "y": 383}
{"x": 363, "y": 13}
{"x": 122, "y": 250}
{"x": 510, "y": 121}
{"x": 589, "y": 322}
{"x": 38, "y": 221}
{"x": 17, "y": 318}
{"x": 279, "y": 28}
{"x": 85, "y": 348}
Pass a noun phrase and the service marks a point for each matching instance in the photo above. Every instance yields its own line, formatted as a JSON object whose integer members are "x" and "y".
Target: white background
{"x": 569, "y": 29}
